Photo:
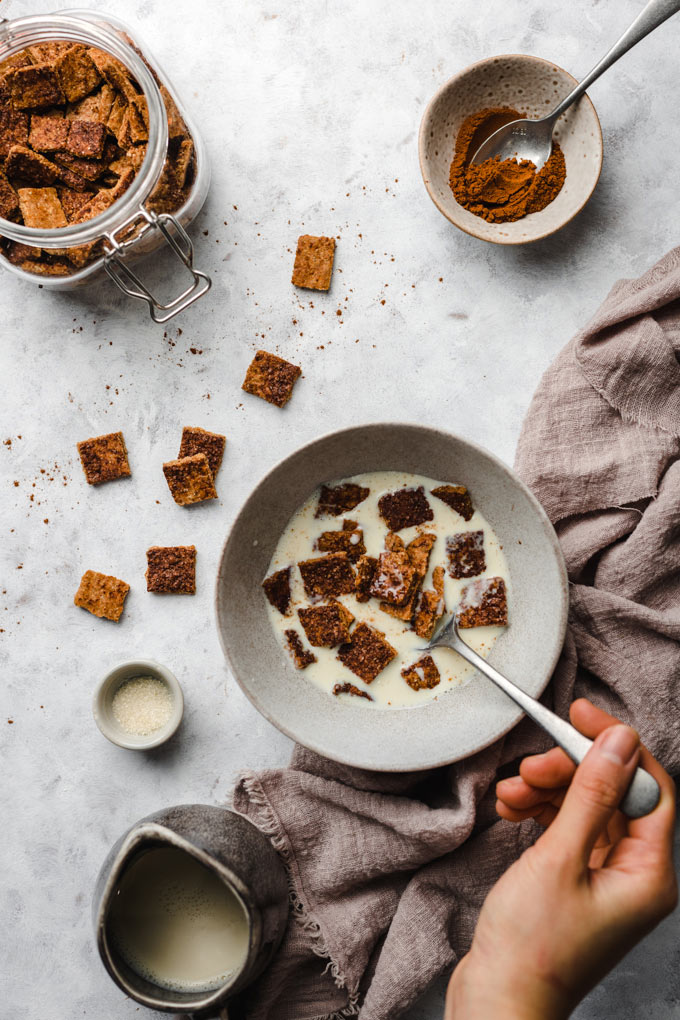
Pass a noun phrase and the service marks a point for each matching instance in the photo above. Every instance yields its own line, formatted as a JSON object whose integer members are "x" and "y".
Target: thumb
{"x": 598, "y": 786}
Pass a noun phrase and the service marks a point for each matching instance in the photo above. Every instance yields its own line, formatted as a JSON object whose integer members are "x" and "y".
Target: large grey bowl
{"x": 465, "y": 719}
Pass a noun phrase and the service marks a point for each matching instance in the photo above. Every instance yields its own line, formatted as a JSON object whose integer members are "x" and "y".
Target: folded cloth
{"x": 388, "y": 872}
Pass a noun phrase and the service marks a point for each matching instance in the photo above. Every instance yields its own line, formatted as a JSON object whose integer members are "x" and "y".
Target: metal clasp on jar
{"x": 128, "y": 235}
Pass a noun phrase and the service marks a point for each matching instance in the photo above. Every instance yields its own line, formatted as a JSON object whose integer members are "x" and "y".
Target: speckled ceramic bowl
{"x": 532, "y": 86}
{"x": 463, "y": 720}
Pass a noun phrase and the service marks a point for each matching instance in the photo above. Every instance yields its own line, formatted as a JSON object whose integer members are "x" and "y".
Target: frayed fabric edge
{"x": 268, "y": 823}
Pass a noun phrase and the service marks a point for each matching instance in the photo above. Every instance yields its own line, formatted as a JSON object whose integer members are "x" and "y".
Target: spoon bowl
{"x": 520, "y": 140}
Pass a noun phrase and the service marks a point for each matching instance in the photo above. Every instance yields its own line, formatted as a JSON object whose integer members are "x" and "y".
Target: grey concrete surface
{"x": 310, "y": 112}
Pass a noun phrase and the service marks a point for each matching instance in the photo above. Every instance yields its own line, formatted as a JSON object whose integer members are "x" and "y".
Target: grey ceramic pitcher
{"x": 241, "y": 856}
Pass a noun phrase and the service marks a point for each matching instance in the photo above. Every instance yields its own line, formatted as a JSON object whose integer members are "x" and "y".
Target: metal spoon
{"x": 643, "y": 792}
{"x": 532, "y": 139}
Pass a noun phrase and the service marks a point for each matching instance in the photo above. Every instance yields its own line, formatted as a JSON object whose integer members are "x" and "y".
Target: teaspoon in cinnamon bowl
{"x": 532, "y": 86}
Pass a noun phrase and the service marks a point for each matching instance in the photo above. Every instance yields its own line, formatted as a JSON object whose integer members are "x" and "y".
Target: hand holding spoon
{"x": 532, "y": 139}
{"x": 643, "y": 792}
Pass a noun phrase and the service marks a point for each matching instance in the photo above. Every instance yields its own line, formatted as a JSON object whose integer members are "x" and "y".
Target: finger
{"x": 599, "y": 783}
{"x": 658, "y": 826}
{"x": 548, "y": 771}
{"x": 519, "y": 795}
{"x": 544, "y": 814}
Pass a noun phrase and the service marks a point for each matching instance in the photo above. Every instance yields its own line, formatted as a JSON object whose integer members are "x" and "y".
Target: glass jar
{"x": 130, "y": 228}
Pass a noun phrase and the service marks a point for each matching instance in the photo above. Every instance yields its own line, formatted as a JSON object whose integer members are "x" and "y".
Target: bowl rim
{"x": 100, "y": 701}
{"x": 422, "y": 142}
{"x": 545, "y": 524}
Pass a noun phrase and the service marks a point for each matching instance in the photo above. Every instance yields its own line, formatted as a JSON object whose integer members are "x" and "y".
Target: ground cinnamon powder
{"x": 501, "y": 191}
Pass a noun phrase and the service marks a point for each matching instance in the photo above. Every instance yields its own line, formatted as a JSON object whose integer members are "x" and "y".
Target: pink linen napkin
{"x": 388, "y": 872}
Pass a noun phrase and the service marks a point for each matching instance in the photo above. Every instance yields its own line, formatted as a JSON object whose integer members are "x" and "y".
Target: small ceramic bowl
{"x": 106, "y": 690}
{"x": 532, "y": 86}
{"x": 462, "y": 721}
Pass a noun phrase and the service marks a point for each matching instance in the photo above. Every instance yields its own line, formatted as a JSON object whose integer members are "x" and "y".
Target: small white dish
{"x": 103, "y": 701}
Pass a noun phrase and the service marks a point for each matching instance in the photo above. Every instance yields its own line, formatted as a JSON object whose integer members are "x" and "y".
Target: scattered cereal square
{"x": 104, "y": 458}
{"x": 326, "y": 626}
{"x": 302, "y": 657}
{"x": 30, "y": 166}
{"x": 395, "y": 577}
{"x": 77, "y": 74}
{"x": 271, "y": 378}
{"x": 86, "y": 139}
{"x": 366, "y": 568}
{"x": 466, "y": 554}
{"x": 431, "y": 606}
{"x": 457, "y": 497}
{"x": 405, "y": 508}
{"x": 190, "y": 479}
{"x": 102, "y": 595}
{"x": 40, "y": 207}
{"x": 327, "y": 576}
{"x": 9, "y": 200}
{"x": 348, "y": 688}
{"x": 349, "y": 539}
{"x": 314, "y": 262}
{"x": 34, "y": 87}
{"x": 171, "y": 569}
{"x": 48, "y": 134}
{"x": 335, "y": 500}
{"x": 483, "y": 604}
{"x": 422, "y": 675}
{"x": 196, "y": 440}
{"x": 277, "y": 589}
{"x": 367, "y": 653}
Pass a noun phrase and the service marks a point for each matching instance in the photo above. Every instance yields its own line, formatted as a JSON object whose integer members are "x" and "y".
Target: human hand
{"x": 584, "y": 894}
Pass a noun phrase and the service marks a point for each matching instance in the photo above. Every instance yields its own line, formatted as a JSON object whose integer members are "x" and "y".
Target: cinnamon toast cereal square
{"x": 335, "y": 500}
{"x": 366, "y": 568}
{"x": 9, "y": 200}
{"x": 14, "y": 127}
{"x": 348, "y": 688}
{"x": 30, "y": 166}
{"x": 104, "y": 458}
{"x": 89, "y": 169}
{"x": 327, "y": 576}
{"x": 326, "y": 626}
{"x": 394, "y": 578}
{"x": 102, "y": 595}
{"x": 302, "y": 657}
{"x": 72, "y": 201}
{"x": 431, "y": 606}
{"x": 418, "y": 552}
{"x": 349, "y": 539}
{"x": 171, "y": 569}
{"x": 277, "y": 589}
{"x": 271, "y": 378}
{"x": 190, "y": 479}
{"x": 86, "y": 139}
{"x": 34, "y": 87}
{"x": 196, "y": 440}
{"x": 422, "y": 675}
{"x": 314, "y": 262}
{"x": 405, "y": 508}
{"x": 457, "y": 497}
{"x": 483, "y": 603}
{"x": 40, "y": 207}
{"x": 77, "y": 74}
{"x": 367, "y": 652}
{"x": 48, "y": 133}
{"x": 465, "y": 553}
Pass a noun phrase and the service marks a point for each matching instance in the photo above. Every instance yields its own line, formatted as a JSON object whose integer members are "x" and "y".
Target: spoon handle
{"x": 649, "y": 18}
{"x": 643, "y": 792}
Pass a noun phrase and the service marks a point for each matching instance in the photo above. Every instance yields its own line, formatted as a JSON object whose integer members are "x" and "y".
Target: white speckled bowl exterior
{"x": 532, "y": 86}
{"x": 465, "y": 719}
